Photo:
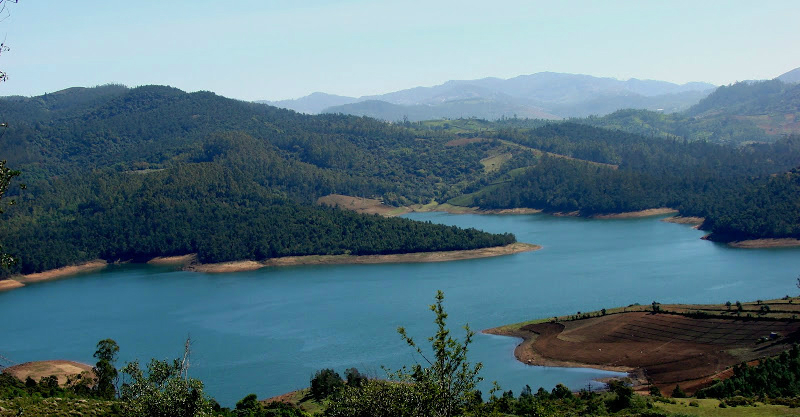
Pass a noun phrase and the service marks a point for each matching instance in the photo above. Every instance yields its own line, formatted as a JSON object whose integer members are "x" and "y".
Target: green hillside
{"x": 122, "y": 173}
{"x": 739, "y": 113}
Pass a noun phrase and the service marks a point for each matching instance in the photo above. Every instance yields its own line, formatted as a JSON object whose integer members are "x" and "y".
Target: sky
{"x": 278, "y": 49}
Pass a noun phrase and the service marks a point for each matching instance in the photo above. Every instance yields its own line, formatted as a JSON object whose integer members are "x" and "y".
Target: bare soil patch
{"x": 636, "y": 214}
{"x": 10, "y": 284}
{"x": 361, "y": 205}
{"x": 520, "y": 210}
{"x": 37, "y": 370}
{"x": 66, "y": 271}
{"x": 174, "y": 260}
{"x": 667, "y": 349}
{"x": 224, "y": 267}
{"x": 684, "y": 220}
{"x": 766, "y": 243}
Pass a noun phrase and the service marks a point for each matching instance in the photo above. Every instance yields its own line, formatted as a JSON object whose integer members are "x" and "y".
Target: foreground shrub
{"x": 380, "y": 398}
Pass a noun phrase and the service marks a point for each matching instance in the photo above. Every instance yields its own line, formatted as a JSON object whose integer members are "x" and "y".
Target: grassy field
{"x": 459, "y": 125}
{"x": 710, "y": 408}
{"x": 493, "y": 163}
{"x": 301, "y": 398}
{"x": 779, "y": 309}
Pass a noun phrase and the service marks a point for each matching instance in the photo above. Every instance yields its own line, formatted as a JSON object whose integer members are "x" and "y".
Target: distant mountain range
{"x": 545, "y": 95}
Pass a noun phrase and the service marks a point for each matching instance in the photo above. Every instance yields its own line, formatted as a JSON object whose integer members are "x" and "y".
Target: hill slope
{"x": 744, "y": 112}
{"x": 135, "y": 173}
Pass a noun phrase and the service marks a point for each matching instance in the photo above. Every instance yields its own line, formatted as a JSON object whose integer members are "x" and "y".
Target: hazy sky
{"x": 275, "y": 49}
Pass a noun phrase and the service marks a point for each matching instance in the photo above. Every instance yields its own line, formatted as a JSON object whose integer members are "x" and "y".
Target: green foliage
{"x": 207, "y": 209}
{"x": 6, "y": 175}
{"x": 324, "y": 383}
{"x": 354, "y": 378}
{"x": 380, "y": 398}
{"x": 104, "y": 370}
{"x": 163, "y": 391}
{"x": 449, "y": 378}
{"x": 561, "y": 392}
{"x": 60, "y": 407}
{"x": 444, "y": 387}
{"x": 249, "y": 406}
{"x": 678, "y": 392}
{"x": 730, "y": 187}
{"x": 654, "y": 391}
{"x": 623, "y": 395}
{"x": 124, "y": 173}
{"x": 772, "y": 377}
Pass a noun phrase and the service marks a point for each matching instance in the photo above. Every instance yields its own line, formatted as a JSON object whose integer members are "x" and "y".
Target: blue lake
{"x": 268, "y": 331}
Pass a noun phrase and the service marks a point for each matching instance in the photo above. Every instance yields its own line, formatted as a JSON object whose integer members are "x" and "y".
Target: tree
{"x": 104, "y": 369}
{"x": 249, "y": 407}
{"x": 354, "y": 378}
{"x": 623, "y": 394}
{"x": 449, "y": 379}
{"x": 324, "y": 383}
{"x": 165, "y": 390}
{"x": 444, "y": 387}
{"x": 6, "y": 175}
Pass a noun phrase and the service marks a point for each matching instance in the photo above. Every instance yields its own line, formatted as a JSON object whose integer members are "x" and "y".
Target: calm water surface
{"x": 267, "y": 331}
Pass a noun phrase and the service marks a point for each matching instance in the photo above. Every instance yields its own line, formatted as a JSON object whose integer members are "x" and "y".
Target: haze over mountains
{"x": 545, "y": 95}
{"x": 792, "y": 76}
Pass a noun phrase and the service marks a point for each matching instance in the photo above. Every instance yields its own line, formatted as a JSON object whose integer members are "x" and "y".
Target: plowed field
{"x": 667, "y": 349}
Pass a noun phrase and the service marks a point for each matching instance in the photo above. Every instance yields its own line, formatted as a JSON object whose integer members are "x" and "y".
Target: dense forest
{"x": 777, "y": 377}
{"x": 123, "y": 173}
{"x": 744, "y": 192}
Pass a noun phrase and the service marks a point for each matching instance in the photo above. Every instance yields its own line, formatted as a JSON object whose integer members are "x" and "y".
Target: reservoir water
{"x": 267, "y": 331}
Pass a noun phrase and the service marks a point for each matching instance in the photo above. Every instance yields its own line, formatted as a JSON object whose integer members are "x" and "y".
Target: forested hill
{"x": 744, "y": 192}
{"x": 125, "y": 173}
{"x": 739, "y": 113}
{"x": 153, "y": 127}
{"x": 750, "y": 99}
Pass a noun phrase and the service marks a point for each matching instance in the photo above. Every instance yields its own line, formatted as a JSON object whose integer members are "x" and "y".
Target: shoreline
{"x": 762, "y": 243}
{"x": 189, "y": 262}
{"x": 178, "y": 260}
{"x": 695, "y": 221}
{"x": 526, "y": 355}
{"x": 766, "y": 243}
{"x": 646, "y": 345}
{"x": 63, "y": 272}
{"x": 10, "y": 284}
{"x": 415, "y": 257}
{"x": 636, "y": 214}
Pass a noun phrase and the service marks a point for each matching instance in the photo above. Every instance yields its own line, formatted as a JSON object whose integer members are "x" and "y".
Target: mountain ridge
{"x": 547, "y": 95}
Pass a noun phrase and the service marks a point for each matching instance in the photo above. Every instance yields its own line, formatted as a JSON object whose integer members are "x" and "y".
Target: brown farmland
{"x": 665, "y": 349}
